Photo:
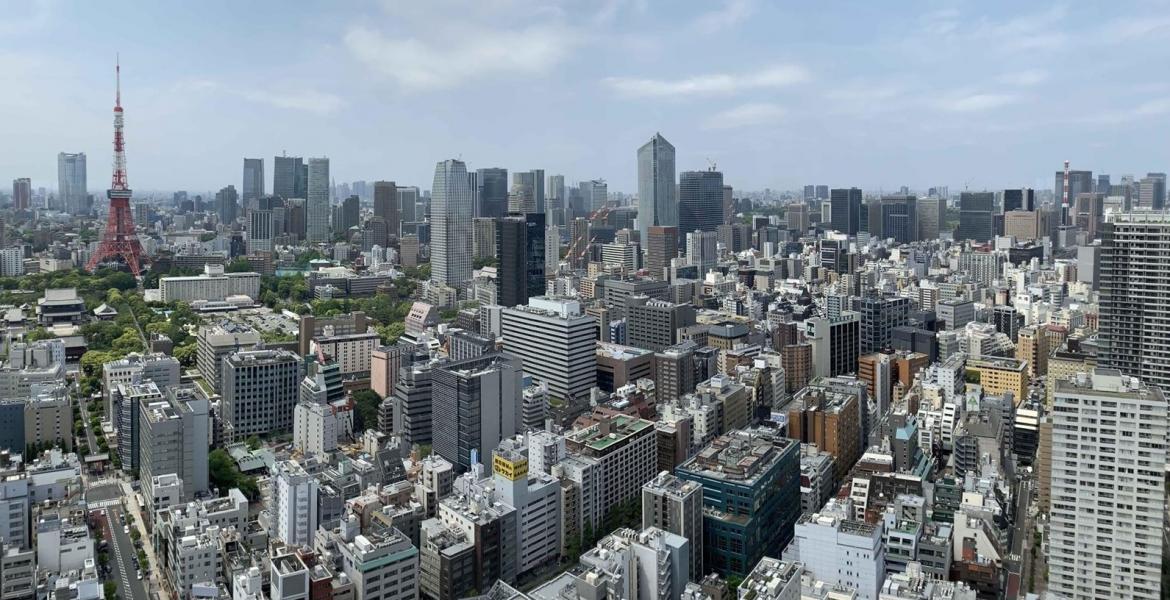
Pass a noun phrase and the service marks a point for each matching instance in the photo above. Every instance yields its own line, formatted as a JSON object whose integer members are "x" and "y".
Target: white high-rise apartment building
{"x": 657, "y": 186}
{"x": 71, "y": 182}
{"x": 1107, "y": 475}
{"x": 11, "y": 261}
{"x": 317, "y": 205}
{"x": 1135, "y": 309}
{"x": 452, "y": 201}
{"x": 555, "y": 342}
{"x": 294, "y": 496}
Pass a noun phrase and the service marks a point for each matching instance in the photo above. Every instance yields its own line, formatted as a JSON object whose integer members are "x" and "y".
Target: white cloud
{"x": 447, "y": 43}
{"x": 285, "y": 97}
{"x": 1145, "y": 110}
{"x": 1027, "y": 78}
{"x": 35, "y": 16}
{"x": 976, "y": 102}
{"x": 1121, "y": 29}
{"x": 305, "y": 100}
{"x": 732, "y": 13}
{"x": 746, "y": 115}
{"x": 711, "y": 84}
{"x": 446, "y": 62}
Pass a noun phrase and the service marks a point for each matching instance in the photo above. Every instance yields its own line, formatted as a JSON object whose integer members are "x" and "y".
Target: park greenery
{"x": 225, "y": 475}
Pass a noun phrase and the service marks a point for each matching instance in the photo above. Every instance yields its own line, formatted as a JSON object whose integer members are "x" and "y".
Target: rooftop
{"x": 608, "y": 432}
{"x": 741, "y": 455}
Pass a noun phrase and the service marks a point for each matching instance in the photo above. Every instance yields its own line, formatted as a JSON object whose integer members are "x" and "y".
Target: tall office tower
{"x": 534, "y": 252}
{"x": 529, "y": 185}
{"x": 260, "y": 230}
{"x": 483, "y": 237}
{"x": 286, "y": 173}
{"x": 317, "y": 204}
{"x": 552, "y": 250}
{"x": 1107, "y": 489}
{"x": 700, "y": 202}
{"x": 1021, "y": 199}
{"x": 595, "y": 194}
{"x": 661, "y": 246}
{"x": 796, "y": 215}
{"x": 1032, "y": 346}
{"x": 822, "y": 192}
{"x": 676, "y": 505}
{"x": 810, "y": 192}
{"x": 227, "y": 202}
{"x": 1151, "y": 191}
{"x": 492, "y": 193}
{"x": 835, "y": 343}
{"x": 657, "y": 191}
{"x": 1134, "y": 274}
{"x": 476, "y": 406}
{"x": 260, "y": 390}
{"x": 728, "y": 204}
{"x": 386, "y": 205}
{"x": 975, "y": 216}
{"x": 930, "y": 218}
{"x": 452, "y": 202}
{"x": 522, "y": 198}
{"x": 253, "y": 188}
{"x": 674, "y": 371}
{"x": 555, "y": 339}
{"x": 172, "y": 438}
{"x": 295, "y": 217}
{"x": 845, "y": 210}
{"x": 294, "y": 500}
{"x": 512, "y": 265}
{"x": 653, "y": 324}
{"x": 1079, "y": 182}
{"x": 408, "y": 204}
{"x": 751, "y": 493}
{"x": 348, "y": 214}
{"x": 879, "y": 317}
{"x": 579, "y": 241}
{"x": 557, "y": 200}
{"x": 899, "y": 216}
{"x": 72, "y": 194}
{"x": 22, "y": 193}
{"x": 701, "y": 250}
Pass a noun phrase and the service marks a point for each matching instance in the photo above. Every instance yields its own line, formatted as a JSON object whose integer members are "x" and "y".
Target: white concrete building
{"x": 11, "y": 261}
{"x": 214, "y": 285}
{"x": 1107, "y": 476}
{"x": 351, "y": 352}
{"x": 381, "y": 566}
{"x": 536, "y": 498}
{"x": 173, "y": 438}
{"x": 841, "y": 550}
{"x": 294, "y": 502}
{"x": 556, "y": 342}
{"x": 318, "y": 427}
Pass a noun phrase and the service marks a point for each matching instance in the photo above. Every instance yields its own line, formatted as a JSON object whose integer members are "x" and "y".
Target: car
{"x": 140, "y": 575}
{"x": 126, "y": 529}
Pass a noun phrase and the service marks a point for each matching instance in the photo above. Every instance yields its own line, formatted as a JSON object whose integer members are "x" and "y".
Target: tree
{"x": 185, "y": 354}
{"x": 222, "y": 470}
{"x": 111, "y": 590}
{"x": 391, "y": 332}
{"x": 239, "y": 265}
{"x": 253, "y": 442}
{"x": 485, "y": 261}
{"x": 366, "y": 402}
{"x": 38, "y": 334}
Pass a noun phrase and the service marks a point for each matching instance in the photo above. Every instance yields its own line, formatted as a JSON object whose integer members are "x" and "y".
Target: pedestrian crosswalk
{"x": 105, "y": 503}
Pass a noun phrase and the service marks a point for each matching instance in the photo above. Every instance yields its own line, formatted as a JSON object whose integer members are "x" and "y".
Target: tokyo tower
{"x": 119, "y": 241}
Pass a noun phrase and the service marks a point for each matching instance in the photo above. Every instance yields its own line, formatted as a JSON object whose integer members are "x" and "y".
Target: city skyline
{"x": 825, "y": 100}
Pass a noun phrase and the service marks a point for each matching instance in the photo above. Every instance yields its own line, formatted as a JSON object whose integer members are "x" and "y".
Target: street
{"x": 125, "y": 558}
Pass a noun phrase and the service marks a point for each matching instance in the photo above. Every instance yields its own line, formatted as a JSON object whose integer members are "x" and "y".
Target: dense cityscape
{"x": 504, "y": 385}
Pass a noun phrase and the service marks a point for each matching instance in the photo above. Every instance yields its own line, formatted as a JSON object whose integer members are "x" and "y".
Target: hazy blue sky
{"x": 873, "y": 94}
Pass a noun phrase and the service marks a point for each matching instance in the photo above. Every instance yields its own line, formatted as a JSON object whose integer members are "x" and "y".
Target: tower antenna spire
{"x": 119, "y": 242}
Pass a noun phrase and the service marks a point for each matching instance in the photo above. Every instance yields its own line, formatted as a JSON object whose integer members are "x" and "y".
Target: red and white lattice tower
{"x": 119, "y": 241}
